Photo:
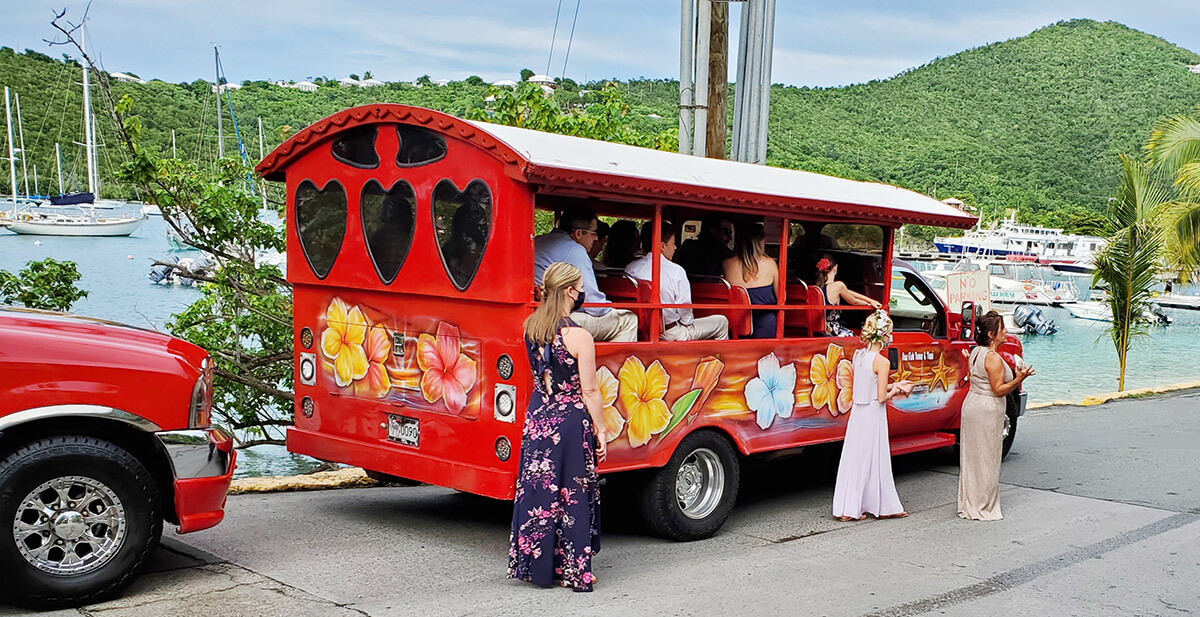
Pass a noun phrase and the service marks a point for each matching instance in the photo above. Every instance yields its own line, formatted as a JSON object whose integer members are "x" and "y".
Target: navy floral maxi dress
{"x": 556, "y": 518}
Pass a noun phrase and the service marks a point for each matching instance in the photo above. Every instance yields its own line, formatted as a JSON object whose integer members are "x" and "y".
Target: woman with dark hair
{"x": 751, "y": 268}
{"x": 981, "y": 445}
{"x": 835, "y": 293}
{"x": 624, "y": 244}
{"x": 556, "y": 515}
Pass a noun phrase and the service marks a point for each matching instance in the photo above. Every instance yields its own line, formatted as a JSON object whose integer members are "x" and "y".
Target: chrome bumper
{"x": 198, "y": 453}
{"x": 1022, "y": 401}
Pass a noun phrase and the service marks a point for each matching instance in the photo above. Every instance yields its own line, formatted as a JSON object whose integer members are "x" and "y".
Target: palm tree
{"x": 1174, "y": 147}
{"x": 1130, "y": 262}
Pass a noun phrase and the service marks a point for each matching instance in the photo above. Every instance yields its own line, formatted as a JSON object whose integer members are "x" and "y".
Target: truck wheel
{"x": 691, "y": 496}
{"x": 1009, "y": 433}
{"x": 84, "y": 514}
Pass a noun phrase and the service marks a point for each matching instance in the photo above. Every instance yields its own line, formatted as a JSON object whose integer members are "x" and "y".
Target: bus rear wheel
{"x": 690, "y": 497}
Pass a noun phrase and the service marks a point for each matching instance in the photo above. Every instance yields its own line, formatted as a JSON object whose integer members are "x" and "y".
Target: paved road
{"x": 1102, "y": 511}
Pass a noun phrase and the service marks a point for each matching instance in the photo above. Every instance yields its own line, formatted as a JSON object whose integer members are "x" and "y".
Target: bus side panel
{"x": 767, "y": 395}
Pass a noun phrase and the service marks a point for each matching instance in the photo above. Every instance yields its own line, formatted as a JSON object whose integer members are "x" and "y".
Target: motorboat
{"x": 1101, "y": 311}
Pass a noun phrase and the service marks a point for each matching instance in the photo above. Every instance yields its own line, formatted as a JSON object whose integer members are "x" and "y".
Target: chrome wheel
{"x": 1007, "y": 428}
{"x": 70, "y": 525}
{"x": 700, "y": 483}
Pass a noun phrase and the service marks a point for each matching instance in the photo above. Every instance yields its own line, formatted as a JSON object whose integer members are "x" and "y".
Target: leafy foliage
{"x": 47, "y": 284}
{"x": 1174, "y": 146}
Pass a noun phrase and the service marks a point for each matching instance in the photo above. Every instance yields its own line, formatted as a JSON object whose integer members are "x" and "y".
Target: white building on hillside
{"x": 226, "y": 87}
{"x": 543, "y": 80}
{"x": 370, "y": 82}
{"x": 126, "y": 77}
{"x": 305, "y": 86}
{"x": 348, "y": 81}
{"x": 1194, "y": 68}
{"x": 505, "y": 83}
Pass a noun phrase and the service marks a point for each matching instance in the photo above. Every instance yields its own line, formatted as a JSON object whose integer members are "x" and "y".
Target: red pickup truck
{"x": 105, "y": 432}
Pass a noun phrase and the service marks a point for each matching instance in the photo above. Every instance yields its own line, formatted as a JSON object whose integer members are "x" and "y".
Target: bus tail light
{"x": 308, "y": 369}
{"x": 307, "y": 407}
{"x": 503, "y": 449}
{"x": 504, "y": 406}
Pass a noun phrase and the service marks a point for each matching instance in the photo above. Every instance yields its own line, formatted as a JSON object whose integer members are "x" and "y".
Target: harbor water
{"x": 1077, "y": 361}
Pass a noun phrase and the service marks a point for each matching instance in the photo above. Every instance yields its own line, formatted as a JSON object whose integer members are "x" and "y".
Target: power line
{"x": 570, "y": 40}
{"x": 553, "y": 36}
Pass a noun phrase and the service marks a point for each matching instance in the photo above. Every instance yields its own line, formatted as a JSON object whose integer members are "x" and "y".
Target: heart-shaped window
{"x": 320, "y": 223}
{"x": 357, "y": 148}
{"x": 418, "y": 146}
{"x": 388, "y": 220}
{"x": 462, "y": 221}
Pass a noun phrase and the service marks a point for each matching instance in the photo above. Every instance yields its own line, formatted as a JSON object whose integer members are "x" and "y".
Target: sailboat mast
{"x": 21, "y": 139}
{"x": 220, "y": 135}
{"x": 36, "y": 190}
{"x": 12, "y": 157}
{"x": 58, "y": 163}
{"x": 89, "y": 138}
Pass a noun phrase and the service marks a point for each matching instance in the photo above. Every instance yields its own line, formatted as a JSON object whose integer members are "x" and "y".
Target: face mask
{"x": 578, "y": 302}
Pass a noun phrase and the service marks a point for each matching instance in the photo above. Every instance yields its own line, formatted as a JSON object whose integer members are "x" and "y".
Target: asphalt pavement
{"x": 1102, "y": 517}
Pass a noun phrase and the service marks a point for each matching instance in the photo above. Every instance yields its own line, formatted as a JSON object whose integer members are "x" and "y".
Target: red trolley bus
{"x": 410, "y": 250}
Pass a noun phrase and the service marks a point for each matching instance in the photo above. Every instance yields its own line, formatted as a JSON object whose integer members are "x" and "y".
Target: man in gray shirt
{"x": 570, "y": 242}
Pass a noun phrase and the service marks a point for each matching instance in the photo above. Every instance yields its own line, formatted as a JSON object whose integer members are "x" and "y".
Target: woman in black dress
{"x": 556, "y": 517}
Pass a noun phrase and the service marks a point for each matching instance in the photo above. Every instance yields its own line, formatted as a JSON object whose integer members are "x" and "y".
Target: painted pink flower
{"x": 447, "y": 373}
{"x": 378, "y": 347}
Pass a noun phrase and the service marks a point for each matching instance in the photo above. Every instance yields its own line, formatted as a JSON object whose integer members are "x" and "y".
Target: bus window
{"x": 320, "y": 223}
{"x": 462, "y": 222}
{"x": 388, "y": 220}
{"x": 418, "y": 146}
{"x": 914, "y": 307}
{"x": 357, "y": 148}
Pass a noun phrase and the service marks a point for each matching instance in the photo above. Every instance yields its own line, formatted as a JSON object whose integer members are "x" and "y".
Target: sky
{"x": 816, "y": 43}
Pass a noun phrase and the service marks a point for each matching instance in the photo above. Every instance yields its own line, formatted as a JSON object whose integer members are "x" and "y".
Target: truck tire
{"x": 79, "y": 517}
{"x": 1009, "y": 433}
{"x": 691, "y": 496}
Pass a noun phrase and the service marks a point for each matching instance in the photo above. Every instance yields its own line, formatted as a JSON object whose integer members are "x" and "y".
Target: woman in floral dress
{"x": 556, "y": 518}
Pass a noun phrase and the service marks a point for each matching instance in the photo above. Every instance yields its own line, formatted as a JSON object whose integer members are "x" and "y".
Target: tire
{"x": 1010, "y": 426}
{"x": 387, "y": 478}
{"x": 116, "y": 492}
{"x": 705, "y": 460}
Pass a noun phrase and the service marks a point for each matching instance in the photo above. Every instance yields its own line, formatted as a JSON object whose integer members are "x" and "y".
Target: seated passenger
{"x": 753, "y": 269}
{"x": 601, "y": 240}
{"x": 706, "y": 254}
{"x": 570, "y": 243}
{"x": 624, "y": 244}
{"x": 678, "y": 323}
{"x": 835, "y": 293}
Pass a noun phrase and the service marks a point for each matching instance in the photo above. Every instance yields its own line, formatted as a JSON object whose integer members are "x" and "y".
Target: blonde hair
{"x": 876, "y": 327}
{"x": 547, "y": 318}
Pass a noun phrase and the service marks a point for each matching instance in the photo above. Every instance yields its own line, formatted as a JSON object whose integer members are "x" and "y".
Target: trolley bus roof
{"x": 563, "y": 163}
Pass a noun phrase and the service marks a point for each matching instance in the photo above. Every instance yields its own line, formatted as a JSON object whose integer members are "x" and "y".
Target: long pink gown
{"x": 864, "y": 480}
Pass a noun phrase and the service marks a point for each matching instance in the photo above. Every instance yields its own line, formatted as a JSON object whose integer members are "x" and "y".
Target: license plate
{"x": 405, "y": 430}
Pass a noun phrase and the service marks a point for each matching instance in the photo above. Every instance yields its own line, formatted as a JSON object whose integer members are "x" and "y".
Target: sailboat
{"x": 75, "y": 214}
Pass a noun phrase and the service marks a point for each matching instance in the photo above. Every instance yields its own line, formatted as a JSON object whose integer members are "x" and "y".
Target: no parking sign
{"x": 974, "y": 286}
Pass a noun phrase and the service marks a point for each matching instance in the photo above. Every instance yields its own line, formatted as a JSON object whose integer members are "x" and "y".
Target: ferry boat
{"x": 1061, "y": 251}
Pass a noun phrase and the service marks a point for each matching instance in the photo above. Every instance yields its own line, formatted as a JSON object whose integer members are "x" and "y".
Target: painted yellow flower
{"x": 613, "y": 421}
{"x": 642, "y": 390}
{"x": 845, "y": 384}
{"x": 342, "y": 342}
{"x": 378, "y": 348}
{"x": 822, "y": 372}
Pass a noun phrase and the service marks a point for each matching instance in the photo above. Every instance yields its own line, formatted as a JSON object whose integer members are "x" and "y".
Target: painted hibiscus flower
{"x": 831, "y": 375}
{"x": 446, "y": 373}
{"x": 642, "y": 390}
{"x": 342, "y": 342}
{"x": 378, "y": 347}
{"x": 770, "y": 394}
{"x": 614, "y": 422}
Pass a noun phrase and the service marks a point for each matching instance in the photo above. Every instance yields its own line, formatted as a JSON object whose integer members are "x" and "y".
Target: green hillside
{"x": 1032, "y": 123}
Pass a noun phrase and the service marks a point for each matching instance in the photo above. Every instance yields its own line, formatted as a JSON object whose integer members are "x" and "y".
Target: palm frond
{"x": 1174, "y": 142}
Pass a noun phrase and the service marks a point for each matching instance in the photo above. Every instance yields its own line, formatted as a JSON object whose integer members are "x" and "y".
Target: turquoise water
{"x": 1077, "y": 361}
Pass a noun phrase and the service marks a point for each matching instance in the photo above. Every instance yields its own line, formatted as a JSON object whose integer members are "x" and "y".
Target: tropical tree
{"x": 1174, "y": 146}
{"x": 47, "y": 284}
{"x": 1129, "y": 264}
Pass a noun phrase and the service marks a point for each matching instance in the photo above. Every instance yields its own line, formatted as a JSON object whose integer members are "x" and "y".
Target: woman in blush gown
{"x": 556, "y": 515}
{"x": 864, "y": 480}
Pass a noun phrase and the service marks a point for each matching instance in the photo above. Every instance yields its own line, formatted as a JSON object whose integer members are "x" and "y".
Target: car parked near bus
{"x": 105, "y": 432}
{"x": 411, "y": 255}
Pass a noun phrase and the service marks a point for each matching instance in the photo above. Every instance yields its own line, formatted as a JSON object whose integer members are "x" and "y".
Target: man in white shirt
{"x": 678, "y": 323}
{"x": 570, "y": 243}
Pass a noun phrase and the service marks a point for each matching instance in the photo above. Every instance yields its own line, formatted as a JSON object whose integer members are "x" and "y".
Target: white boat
{"x": 83, "y": 224}
{"x": 1101, "y": 311}
{"x": 1178, "y": 301}
{"x": 1066, "y": 252}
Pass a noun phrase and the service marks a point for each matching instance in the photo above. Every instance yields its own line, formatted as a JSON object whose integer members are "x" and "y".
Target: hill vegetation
{"x": 1034, "y": 123}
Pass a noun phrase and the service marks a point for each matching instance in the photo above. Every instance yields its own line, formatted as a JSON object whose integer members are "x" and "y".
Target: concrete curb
{"x": 353, "y": 477}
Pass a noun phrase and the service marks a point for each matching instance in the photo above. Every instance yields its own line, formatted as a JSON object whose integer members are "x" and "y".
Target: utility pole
{"x": 752, "y": 95}
{"x": 718, "y": 80}
{"x": 687, "y": 51}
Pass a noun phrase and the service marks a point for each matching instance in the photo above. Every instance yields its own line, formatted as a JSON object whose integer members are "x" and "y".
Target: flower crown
{"x": 876, "y": 326}
{"x": 824, "y": 265}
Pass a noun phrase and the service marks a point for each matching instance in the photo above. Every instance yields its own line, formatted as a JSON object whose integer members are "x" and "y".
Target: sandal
{"x": 900, "y": 515}
{"x": 848, "y": 519}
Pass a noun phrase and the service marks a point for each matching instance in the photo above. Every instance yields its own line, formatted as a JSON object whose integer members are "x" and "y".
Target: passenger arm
{"x": 852, "y": 297}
